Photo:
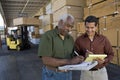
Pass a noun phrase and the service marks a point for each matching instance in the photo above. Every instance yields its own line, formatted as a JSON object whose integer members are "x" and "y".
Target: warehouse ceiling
{"x": 17, "y": 8}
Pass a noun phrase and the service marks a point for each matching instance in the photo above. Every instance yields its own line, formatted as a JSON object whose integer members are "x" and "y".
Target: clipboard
{"x": 81, "y": 66}
{"x": 91, "y": 57}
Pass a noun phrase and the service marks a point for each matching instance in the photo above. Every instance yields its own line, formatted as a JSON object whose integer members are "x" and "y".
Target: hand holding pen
{"x": 88, "y": 52}
{"x": 76, "y": 53}
{"x": 78, "y": 58}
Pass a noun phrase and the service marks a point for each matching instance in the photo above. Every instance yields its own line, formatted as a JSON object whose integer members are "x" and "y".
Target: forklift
{"x": 25, "y": 44}
{"x": 21, "y": 42}
{"x": 13, "y": 42}
{"x": 18, "y": 42}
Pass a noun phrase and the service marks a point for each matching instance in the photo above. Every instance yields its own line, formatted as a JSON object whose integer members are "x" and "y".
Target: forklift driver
{"x": 15, "y": 36}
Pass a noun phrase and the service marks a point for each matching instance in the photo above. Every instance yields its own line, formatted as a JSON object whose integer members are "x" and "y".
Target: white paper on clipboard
{"x": 81, "y": 66}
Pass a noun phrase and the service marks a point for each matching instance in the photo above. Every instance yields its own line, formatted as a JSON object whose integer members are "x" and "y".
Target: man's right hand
{"x": 77, "y": 59}
{"x": 87, "y": 53}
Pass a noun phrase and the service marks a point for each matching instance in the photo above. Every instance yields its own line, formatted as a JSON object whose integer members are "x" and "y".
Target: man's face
{"x": 66, "y": 29}
{"x": 90, "y": 28}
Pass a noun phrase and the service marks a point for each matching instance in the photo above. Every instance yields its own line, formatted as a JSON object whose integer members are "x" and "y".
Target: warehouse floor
{"x": 25, "y": 65}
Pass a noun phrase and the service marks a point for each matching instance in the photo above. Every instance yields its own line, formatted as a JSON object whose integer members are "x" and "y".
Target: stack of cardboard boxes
{"x": 99, "y": 8}
{"x": 42, "y": 11}
{"x": 47, "y": 22}
{"x": 72, "y": 7}
{"x": 50, "y": 13}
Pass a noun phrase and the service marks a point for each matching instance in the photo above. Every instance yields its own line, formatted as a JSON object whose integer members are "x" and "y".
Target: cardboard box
{"x": 116, "y": 58}
{"x": 111, "y": 22}
{"x": 26, "y": 21}
{"x": 119, "y": 40}
{"x": 114, "y": 61}
{"x": 42, "y": 11}
{"x": 47, "y": 27}
{"x": 77, "y": 12}
{"x": 88, "y": 2}
{"x": 47, "y": 19}
{"x": 111, "y": 35}
{"x": 48, "y": 8}
{"x": 53, "y": 1}
{"x": 60, "y": 3}
{"x": 105, "y": 22}
{"x": 74, "y": 34}
{"x": 119, "y": 55}
{"x": 76, "y": 21}
{"x": 101, "y": 9}
{"x": 112, "y": 29}
{"x": 81, "y": 27}
{"x": 115, "y": 51}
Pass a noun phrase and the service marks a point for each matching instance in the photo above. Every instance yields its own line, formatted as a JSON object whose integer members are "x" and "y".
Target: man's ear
{"x": 60, "y": 23}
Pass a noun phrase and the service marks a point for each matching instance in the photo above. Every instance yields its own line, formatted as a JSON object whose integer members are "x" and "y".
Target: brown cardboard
{"x": 26, "y": 21}
{"x": 80, "y": 27}
{"x": 47, "y": 19}
{"x": 116, "y": 56}
{"x": 47, "y": 27}
{"x": 101, "y": 9}
{"x": 77, "y": 12}
{"x": 74, "y": 34}
{"x": 42, "y": 11}
{"x": 60, "y": 3}
{"x": 114, "y": 61}
{"x": 111, "y": 35}
{"x": 89, "y": 2}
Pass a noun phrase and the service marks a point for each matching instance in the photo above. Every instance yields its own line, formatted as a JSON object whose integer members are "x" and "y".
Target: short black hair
{"x": 90, "y": 19}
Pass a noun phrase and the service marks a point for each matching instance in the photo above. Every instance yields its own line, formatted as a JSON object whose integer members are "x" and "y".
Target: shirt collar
{"x": 56, "y": 31}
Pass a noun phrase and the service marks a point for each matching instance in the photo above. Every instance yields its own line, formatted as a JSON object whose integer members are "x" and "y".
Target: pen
{"x": 76, "y": 53}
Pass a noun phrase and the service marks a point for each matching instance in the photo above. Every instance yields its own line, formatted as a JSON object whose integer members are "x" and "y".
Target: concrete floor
{"x": 25, "y": 65}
